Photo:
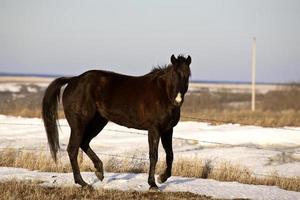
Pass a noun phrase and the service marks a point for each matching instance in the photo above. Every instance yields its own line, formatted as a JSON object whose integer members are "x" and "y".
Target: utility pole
{"x": 253, "y": 73}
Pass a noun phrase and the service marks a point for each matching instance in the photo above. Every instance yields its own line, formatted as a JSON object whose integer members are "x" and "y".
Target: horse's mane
{"x": 162, "y": 69}
{"x": 159, "y": 70}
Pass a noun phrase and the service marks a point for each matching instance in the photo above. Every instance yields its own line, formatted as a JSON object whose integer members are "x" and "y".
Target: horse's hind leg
{"x": 77, "y": 130}
{"x": 93, "y": 128}
{"x": 166, "y": 140}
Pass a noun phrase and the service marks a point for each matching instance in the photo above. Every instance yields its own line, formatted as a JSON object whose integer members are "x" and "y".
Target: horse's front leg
{"x": 153, "y": 140}
{"x": 166, "y": 139}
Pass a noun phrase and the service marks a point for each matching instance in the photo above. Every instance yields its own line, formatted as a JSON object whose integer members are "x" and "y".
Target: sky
{"x": 68, "y": 37}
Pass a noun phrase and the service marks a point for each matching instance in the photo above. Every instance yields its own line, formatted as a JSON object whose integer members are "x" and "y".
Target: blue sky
{"x": 71, "y": 36}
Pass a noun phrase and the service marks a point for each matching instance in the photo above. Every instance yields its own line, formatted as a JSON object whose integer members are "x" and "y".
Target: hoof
{"x": 154, "y": 189}
{"x": 161, "y": 179}
{"x": 82, "y": 183}
{"x": 99, "y": 175}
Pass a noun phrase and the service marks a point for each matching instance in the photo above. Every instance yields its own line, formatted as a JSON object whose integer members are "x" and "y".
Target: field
{"x": 277, "y": 105}
{"x": 219, "y": 153}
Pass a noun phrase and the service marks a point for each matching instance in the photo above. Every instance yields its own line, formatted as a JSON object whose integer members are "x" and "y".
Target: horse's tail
{"x": 49, "y": 113}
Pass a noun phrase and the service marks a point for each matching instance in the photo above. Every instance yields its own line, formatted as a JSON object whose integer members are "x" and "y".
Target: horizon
{"x": 131, "y": 37}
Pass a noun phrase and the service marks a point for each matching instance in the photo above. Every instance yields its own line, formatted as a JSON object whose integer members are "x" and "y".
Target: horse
{"x": 149, "y": 102}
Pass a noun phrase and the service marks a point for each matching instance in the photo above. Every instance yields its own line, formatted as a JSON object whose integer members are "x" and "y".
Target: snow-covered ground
{"x": 263, "y": 150}
{"x": 129, "y": 181}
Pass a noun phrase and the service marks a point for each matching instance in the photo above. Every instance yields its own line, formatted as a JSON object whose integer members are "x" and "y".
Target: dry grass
{"x": 31, "y": 190}
{"x": 195, "y": 168}
{"x": 186, "y": 167}
{"x": 274, "y": 109}
{"x": 37, "y": 161}
{"x": 228, "y": 172}
{"x": 245, "y": 117}
{"x": 282, "y": 99}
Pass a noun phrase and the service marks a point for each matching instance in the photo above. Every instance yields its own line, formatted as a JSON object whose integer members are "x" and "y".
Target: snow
{"x": 32, "y": 89}
{"x": 235, "y": 134}
{"x": 262, "y": 150}
{"x": 130, "y": 181}
{"x": 16, "y": 87}
{"x": 10, "y": 87}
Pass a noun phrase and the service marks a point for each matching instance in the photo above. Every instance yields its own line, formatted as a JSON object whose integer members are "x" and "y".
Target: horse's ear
{"x": 173, "y": 60}
{"x": 189, "y": 59}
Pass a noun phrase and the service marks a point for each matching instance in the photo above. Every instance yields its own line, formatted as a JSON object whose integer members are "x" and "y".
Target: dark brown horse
{"x": 151, "y": 102}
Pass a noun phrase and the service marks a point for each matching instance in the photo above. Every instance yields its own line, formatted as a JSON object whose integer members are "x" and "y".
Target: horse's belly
{"x": 140, "y": 116}
{"x": 126, "y": 119}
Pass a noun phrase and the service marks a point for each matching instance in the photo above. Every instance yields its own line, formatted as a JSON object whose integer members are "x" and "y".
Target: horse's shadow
{"x": 121, "y": 177}
{"x": 176, "y": 182}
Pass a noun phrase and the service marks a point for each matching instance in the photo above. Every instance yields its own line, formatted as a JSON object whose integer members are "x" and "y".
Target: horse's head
{"x": 179, "y": 82}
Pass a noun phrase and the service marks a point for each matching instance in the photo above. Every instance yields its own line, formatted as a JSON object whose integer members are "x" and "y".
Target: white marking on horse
{"x": 178, "y": 98}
